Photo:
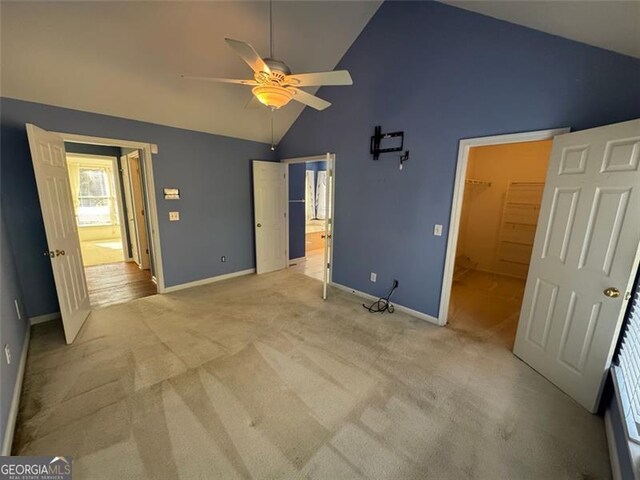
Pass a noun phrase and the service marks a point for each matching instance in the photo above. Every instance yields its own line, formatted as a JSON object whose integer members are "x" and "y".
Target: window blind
{"x": 627, "y": 371}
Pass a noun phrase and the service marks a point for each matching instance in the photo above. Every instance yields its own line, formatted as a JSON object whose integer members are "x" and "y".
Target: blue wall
{"x": 105, "y": 150}
{"x": 441, "y": 74}
{"x": 297, "y": 213}
{"x": 212, "y": 172}
{"x": 12, "y": 330}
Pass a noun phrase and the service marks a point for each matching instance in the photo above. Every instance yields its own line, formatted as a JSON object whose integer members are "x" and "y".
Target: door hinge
{"x": 328, "y": 265}
{"x": 142, "y": 212}
{"x": 147, "y": 250}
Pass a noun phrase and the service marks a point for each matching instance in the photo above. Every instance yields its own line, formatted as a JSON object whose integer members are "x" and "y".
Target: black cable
{"x": 382, "y": 304}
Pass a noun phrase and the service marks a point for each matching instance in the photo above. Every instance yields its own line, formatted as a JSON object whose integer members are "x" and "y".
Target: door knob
{"x": 612, "y": 292}
{"x": 259, "y": 225}
{"x": 59, "y": 252}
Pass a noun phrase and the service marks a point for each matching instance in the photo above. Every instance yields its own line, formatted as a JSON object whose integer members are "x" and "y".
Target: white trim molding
{"x": 47, "y": 317}
{"x": 206, "y": 281}
{"x": 400, "y": 308}
{"x": 458, "y": 194}
{"x": 7, "y": 441}
{"x": 613, "y": 448}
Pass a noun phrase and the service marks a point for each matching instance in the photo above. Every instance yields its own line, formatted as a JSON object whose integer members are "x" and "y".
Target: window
{"x": 96, "y": 204}
{"x": 627, "y": 373}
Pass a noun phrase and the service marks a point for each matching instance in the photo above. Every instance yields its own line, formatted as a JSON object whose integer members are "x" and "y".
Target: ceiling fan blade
{"x": 249, "y": 55}
{"x": 253, "y": 103}
{"x": 310, "y": 100}
{"x": 221, "y": 80}
{"x": 318, "y": 79}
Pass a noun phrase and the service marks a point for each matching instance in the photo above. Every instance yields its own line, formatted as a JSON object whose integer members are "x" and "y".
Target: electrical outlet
{"x": 437, "y": 230}
{"x": 15, "y": 301}
{"x": 7, "y": 353}
{"x": 373, "y": 277}
{"x": 223, "y": 259}
{"x": 174, "y": 216}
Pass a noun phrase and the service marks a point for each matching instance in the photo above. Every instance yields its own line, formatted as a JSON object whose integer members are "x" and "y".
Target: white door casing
{"x": 270, "y": 200}
{"x": 587, "y": 241}
{"x": 54, "y": 192}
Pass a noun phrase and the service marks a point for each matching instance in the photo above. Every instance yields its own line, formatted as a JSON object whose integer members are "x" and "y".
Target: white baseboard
{"x": 400, "y": 308}
{"x": 15, "y": 399}
{"x": 44, "y": 318}
{"x": 205, "y": 281}
{"x": 613, "y": 449}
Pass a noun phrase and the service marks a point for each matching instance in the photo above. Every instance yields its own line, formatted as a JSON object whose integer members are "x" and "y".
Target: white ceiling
{"x": 610, "y": 24}
{"x": 125, "y": 58}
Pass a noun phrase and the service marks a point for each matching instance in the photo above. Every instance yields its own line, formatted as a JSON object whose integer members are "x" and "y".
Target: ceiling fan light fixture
{"x": 273, "y": 96}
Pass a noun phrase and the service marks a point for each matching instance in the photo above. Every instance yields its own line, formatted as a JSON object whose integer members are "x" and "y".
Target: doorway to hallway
{"x": 107, "y": 190}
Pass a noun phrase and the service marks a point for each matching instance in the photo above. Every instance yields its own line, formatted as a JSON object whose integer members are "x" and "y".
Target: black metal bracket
{"x": 377, "y": 138}
{"x": 403, "y": 158}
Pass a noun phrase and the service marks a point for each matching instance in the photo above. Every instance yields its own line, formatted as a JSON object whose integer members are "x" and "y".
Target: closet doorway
{"x": 503, "y": 189}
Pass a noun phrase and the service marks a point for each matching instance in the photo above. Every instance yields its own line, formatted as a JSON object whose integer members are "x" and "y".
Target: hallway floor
{"x": 100, "y": 252}
{"x": 257, "y": 377}
{"x": 118, "y": 283}
{"x": 311, "y": 265}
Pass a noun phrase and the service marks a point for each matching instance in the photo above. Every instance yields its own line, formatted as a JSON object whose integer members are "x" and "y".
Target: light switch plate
{"x": 437, "y": 230}
{"x": 174, "y": 216}
{"x": 373, "y": 277}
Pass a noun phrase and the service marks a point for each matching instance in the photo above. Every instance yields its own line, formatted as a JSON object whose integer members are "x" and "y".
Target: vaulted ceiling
{"x": 126, "y": 58}
{"x": 610, "y": 24}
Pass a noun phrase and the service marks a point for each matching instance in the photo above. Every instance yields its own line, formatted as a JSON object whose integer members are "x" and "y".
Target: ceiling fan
{"x": 273, "y": 83}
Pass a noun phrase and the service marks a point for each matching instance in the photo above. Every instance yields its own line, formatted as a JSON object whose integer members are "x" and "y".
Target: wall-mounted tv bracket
{"x": 377, "y": 139}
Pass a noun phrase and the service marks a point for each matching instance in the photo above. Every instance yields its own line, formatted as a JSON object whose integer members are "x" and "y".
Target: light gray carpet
{"x": 257, "y": 377}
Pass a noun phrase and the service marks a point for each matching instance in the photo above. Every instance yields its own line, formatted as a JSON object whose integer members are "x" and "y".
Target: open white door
{"x": 128, "y": 201}
{"x": 137, "y": 196}
{"x": 328, "y": 226}
{"x": 52, "y": 179}
{"x": 270, "y": 200}
{"x": 584, "y": 259}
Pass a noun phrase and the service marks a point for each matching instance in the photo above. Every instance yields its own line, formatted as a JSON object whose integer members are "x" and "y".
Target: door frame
{"x": 119, "y": 200}
{"x": 313, "y": 158}
{"x": 147, "y": 150}
{"x": 464, "y": 149}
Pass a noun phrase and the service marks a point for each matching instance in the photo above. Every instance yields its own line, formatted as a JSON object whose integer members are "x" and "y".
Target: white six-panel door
{"x": 270, "y": 200}
{"x": 584, "y": 259}
{"x": 50, "y": 167}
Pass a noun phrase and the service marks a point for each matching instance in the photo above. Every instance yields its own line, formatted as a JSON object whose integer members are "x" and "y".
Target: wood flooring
{"x": 118, "y": 283}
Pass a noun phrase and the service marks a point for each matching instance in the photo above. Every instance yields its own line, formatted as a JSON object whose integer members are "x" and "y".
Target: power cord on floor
{"x": 383, "y": 304}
